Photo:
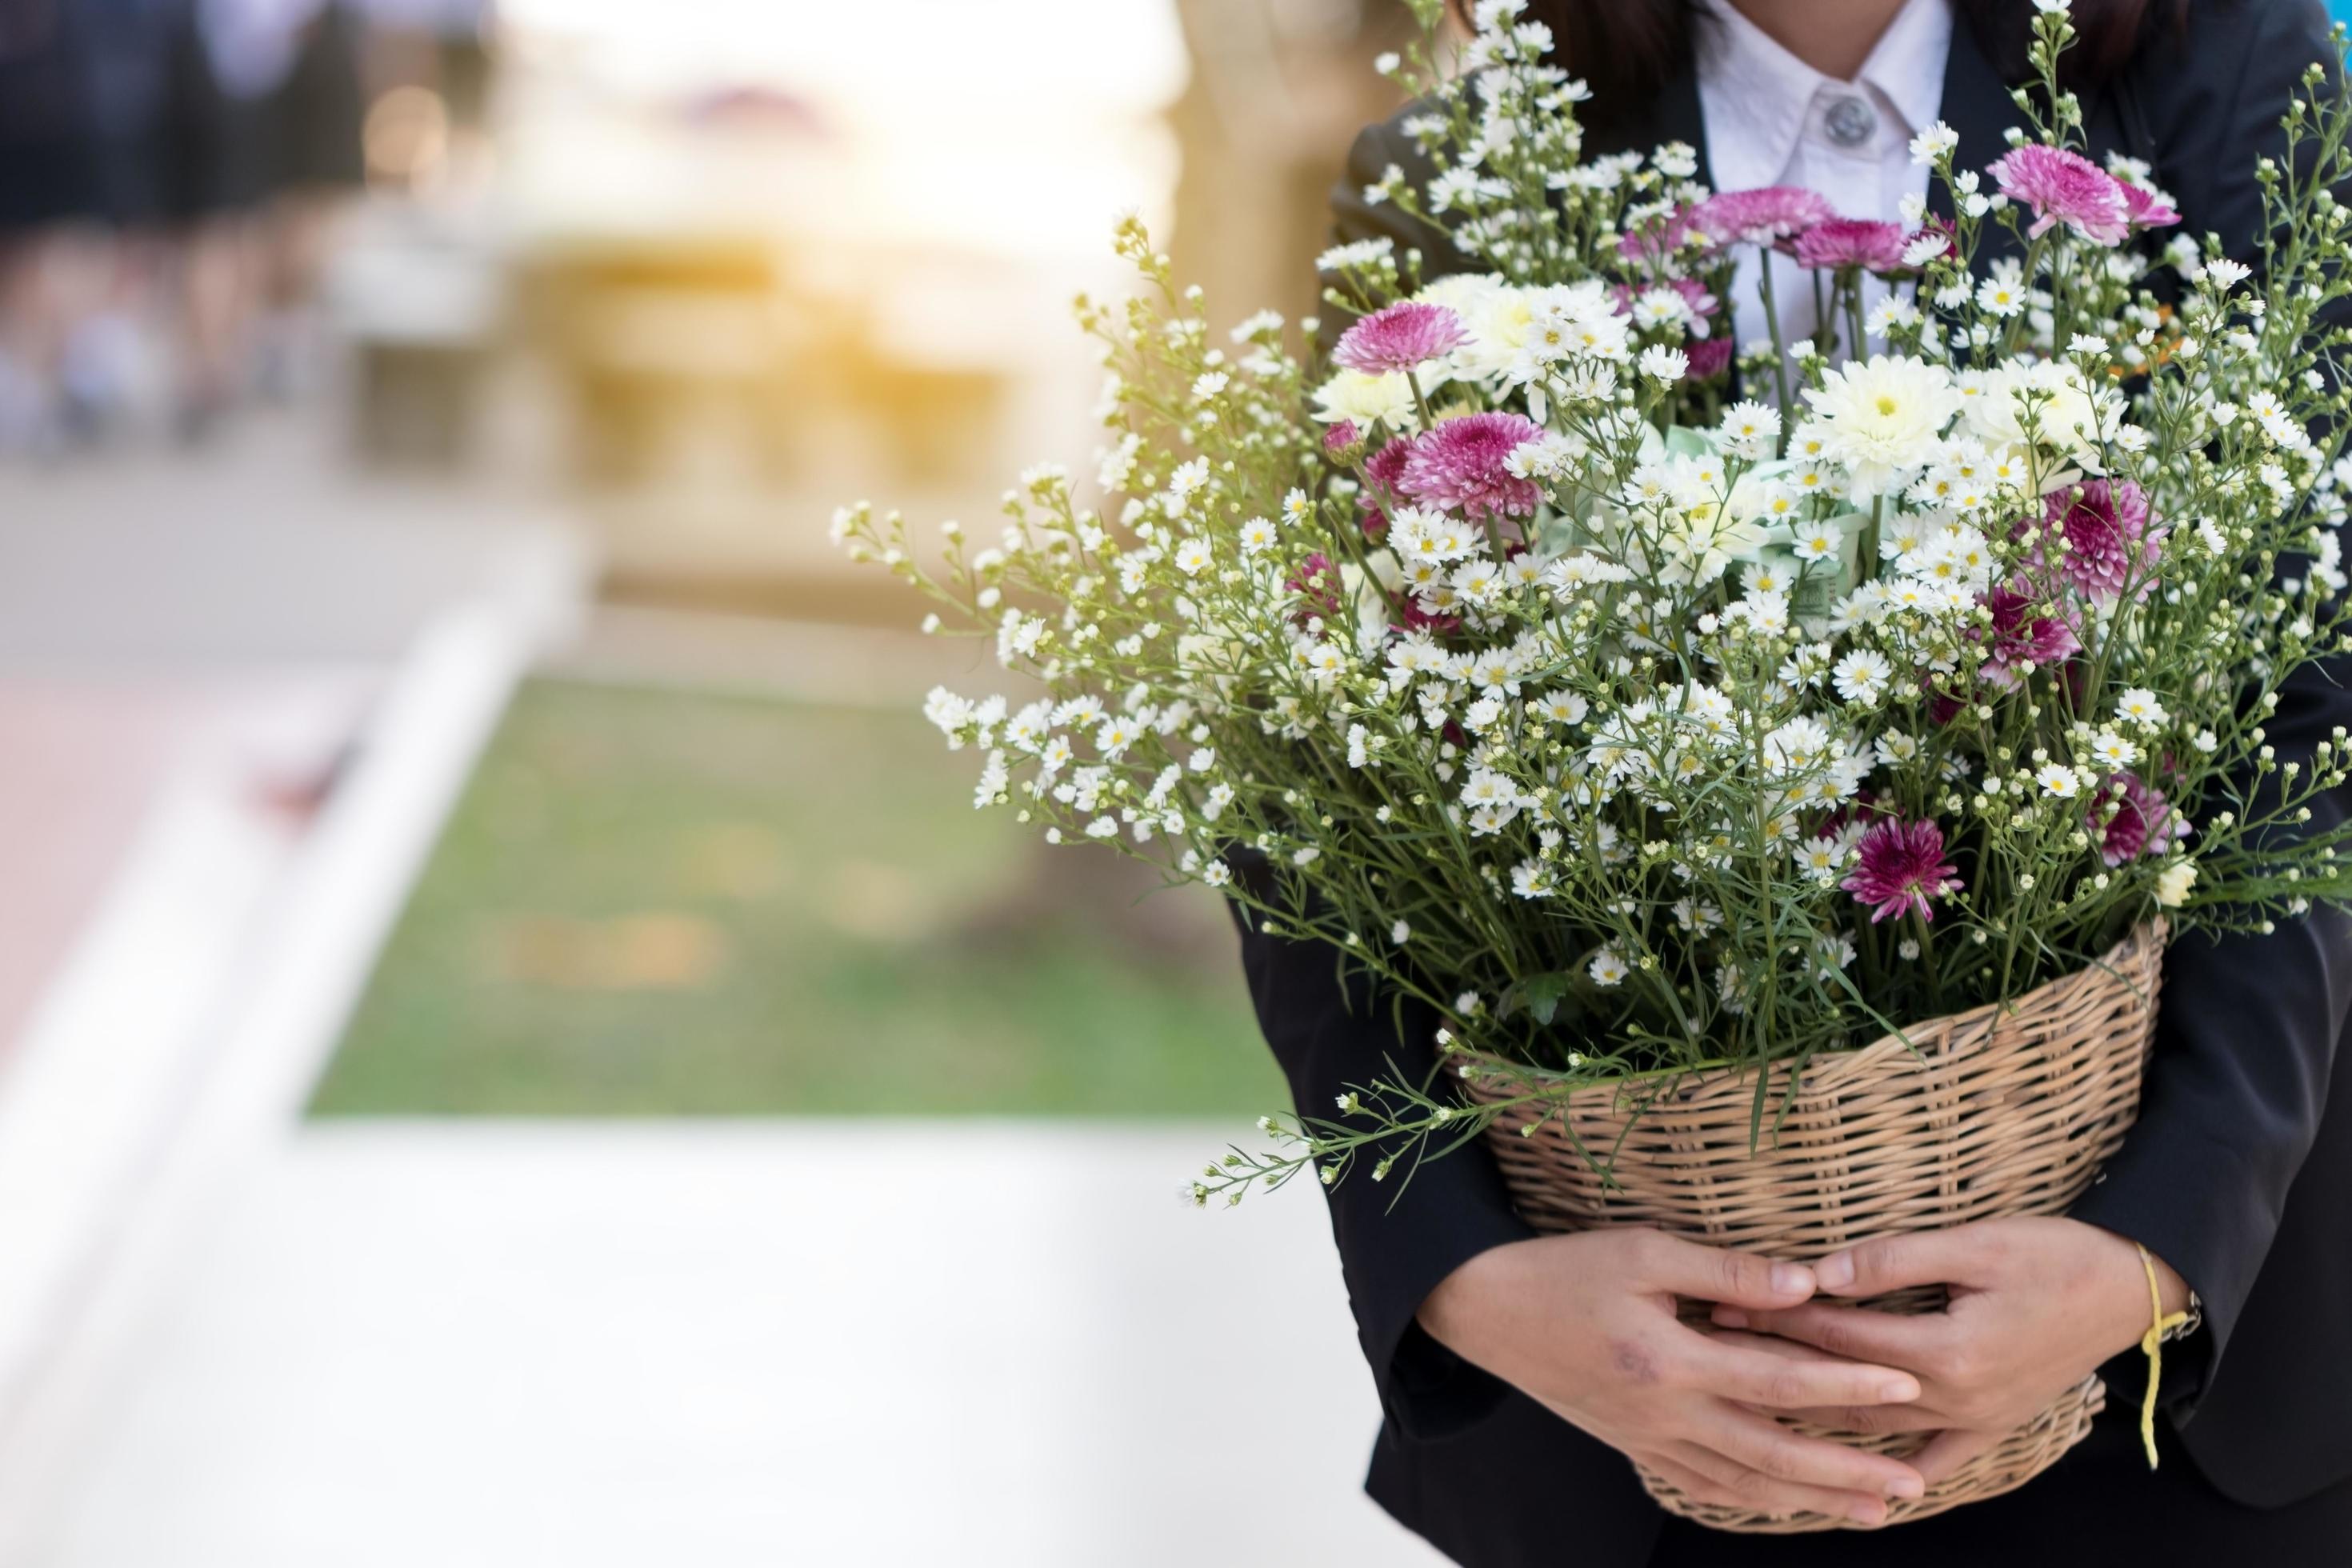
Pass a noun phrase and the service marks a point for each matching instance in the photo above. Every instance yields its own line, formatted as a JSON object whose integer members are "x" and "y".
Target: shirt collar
{"x": 1908, "y": 64}
{"x": 1758, "y": 94}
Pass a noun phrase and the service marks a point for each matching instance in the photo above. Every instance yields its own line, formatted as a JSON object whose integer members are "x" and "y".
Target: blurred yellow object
{"x": 658, "y": 951}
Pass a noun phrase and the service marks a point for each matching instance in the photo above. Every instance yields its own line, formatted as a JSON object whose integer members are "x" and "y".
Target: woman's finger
{"x": 1780, "y": 1455}
{"x": 1867, "y": 1420}
{"x": 1963, "y": 1254}
{"x": 1947, "y": 1452}
{"x": 1717, "y": 1274}
{"x": 1753, "y": 1376}
{"x": 1909, "y": 1340}
{"x": 1707, "y": 1477}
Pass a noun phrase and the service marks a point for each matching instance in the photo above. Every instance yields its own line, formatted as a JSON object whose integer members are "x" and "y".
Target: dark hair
{"x": 1627, "y": 49}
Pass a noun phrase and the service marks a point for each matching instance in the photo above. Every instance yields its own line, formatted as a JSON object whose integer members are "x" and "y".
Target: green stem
{"x": 1779, "y": 352}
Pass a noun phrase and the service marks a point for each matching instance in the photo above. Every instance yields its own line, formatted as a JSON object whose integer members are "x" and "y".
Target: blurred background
{"x": 514, "y": 1045}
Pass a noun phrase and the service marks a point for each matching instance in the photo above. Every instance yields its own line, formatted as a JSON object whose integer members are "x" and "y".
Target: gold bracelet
{"x": 2151, "y": 1345}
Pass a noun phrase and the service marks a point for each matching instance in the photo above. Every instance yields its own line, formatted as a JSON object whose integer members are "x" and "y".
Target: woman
{"x": 1518, "y": 1371}
{"x": 49, "y": 187}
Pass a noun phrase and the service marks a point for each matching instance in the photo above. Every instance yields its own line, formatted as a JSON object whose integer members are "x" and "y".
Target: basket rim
{"x": 2154, "y": 932}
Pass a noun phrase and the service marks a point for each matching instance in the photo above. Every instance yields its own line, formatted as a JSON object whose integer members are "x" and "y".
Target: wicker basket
{"x": 1987, "y": 1113}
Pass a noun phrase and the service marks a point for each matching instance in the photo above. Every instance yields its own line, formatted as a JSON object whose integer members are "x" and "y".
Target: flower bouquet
{"x": 1780, "y": 766}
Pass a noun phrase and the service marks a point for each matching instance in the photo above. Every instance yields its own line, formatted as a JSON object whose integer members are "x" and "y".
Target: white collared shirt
{"x": 1772, "y": 120}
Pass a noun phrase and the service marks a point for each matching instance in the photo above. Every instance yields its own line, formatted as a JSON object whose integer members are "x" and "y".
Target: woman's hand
{"x": 1585, "y": 1324}
{"x": 2036, "y": 1306}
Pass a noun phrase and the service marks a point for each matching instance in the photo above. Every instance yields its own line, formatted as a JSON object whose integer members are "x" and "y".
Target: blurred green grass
{"x": 655, "y": 902}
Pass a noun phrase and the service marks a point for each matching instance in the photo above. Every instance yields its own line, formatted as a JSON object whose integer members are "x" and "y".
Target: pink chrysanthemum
{"x": 2065, "y": 188}
{"x": 1339, "y": 438}
{"x": 2017, "y": 637}
{"x": 1464, "y": 463}
{"x": 2143, "y": 822}
{"x": 1402, "y": 337}
{"x": 2145, "y": 209}
{"x": 1769, "y": 215}
{"x": 1852, "y": 242}
{"x": 1317, "y": 583}
{"x": 1703, "y": 303}
{"x": 2109, "y": 540}
{"x": 1901, "y": 868}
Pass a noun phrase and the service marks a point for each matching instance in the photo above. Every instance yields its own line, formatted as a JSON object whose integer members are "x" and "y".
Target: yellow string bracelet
{"x": 2151, "y": 1345}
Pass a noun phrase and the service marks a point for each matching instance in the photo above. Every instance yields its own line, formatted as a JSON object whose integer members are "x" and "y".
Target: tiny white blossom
{"x": 1664, "y": 363}
{"x": 2138, "y": 706}
{"x": 1936, "y": 143}
{"x": 2057, "y": 779}
{"x": 1532, "y": 879}
{"x": 2113, "y": 749}
{"x": 1862, "y": 676}
{"x": 2223, "y": 273}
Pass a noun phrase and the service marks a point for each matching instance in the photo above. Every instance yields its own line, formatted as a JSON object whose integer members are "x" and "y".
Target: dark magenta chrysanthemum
{"x": 2108, "y": 542}
{"x": 2138, "y": 821}
{"x": 1709, "y": 357}
{"x": 1383, "y": 483}
{"x": 1319, "y": 586}
{"x": 1465, "y": 463}
{"x": 1402, "y": 337}
{"x": 2018, "y": 636}
{"x": 1412, "y": 617}
{"x": 1384, "y": 469}
{"x": 1936, "y": 230}
{"x": 1900, "y": 868}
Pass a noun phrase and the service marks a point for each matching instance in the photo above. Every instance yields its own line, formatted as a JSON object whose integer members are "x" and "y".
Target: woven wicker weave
{"x": 1986, "y": 1113}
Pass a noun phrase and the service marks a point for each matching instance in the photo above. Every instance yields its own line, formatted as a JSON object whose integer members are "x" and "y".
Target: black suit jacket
{"x": 2239, "y": 1172}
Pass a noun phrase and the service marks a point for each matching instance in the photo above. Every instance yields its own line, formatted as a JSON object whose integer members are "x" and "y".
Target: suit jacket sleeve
{"x": 2246, "y": 1039}
{"x": 1400, "y": 1237}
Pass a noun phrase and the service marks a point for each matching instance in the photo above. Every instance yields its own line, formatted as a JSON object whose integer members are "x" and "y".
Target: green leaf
{"x": 1539, "y": 996}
